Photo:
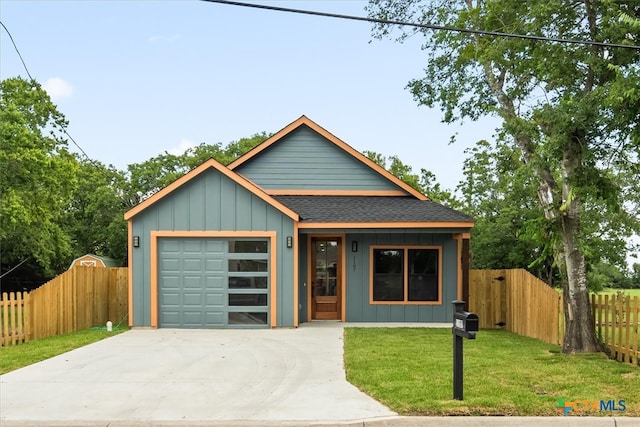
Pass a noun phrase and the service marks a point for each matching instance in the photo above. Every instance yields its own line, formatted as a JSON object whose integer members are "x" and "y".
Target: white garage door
{"x": 213, "y": 283}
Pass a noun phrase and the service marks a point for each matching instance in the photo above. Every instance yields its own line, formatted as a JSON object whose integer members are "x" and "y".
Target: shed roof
{"x": 370, "y": 209}
{"x": 108, "y": 262}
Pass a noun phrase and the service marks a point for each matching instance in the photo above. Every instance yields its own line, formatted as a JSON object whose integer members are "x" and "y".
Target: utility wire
{"x": 33, "y": 81}
{"x": 17, "y": 50}
{"x": 418, "y": 25}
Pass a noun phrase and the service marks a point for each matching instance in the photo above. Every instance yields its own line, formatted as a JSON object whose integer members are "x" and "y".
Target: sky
{"x": 138, "y": 78}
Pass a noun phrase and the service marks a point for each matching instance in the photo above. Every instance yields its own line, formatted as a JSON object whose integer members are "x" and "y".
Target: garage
{"x": 213, "y": 282}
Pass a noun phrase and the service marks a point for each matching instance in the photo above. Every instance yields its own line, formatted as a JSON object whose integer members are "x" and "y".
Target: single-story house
{"x": 303, "y": 227}
{"x": 90, "y": 260}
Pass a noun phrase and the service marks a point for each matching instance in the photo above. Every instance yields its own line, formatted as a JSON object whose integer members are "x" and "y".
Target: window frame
{"x": 405, "y": 273}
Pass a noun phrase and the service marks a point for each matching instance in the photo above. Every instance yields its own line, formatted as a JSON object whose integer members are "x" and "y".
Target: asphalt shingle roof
{"x": 369, "y": 209}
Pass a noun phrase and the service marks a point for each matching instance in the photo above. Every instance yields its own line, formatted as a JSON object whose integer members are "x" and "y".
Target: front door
{"x": 325, "y": 278}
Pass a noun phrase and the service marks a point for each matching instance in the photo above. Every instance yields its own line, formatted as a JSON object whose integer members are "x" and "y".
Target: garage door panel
{"x": 192, "y": 246}
{"x": 192, "y": 282}
{"x": 170, "y": 299}
{"x": 195, "y": 287}
{"x": 170, "y": 318}
{"x": 192, "y": 299}
{"x": 214, "y": 265}
{"x": 170, "y": 264}
{"x": 214, "y": 282}
{"x": 192, "y": 264}
{"x": 215, "y": 318}
{"x": 215, "y": 247}
{"x": 169, "y": 246}
{"x": 215, "y": 300}
{"x": 170, "y": 282}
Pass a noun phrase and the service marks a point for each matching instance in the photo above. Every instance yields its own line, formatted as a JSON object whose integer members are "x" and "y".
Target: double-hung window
{"x": 406, "y": 275}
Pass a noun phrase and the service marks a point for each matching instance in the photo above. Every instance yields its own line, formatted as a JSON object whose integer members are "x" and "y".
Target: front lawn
{"x": 18, "y": 356}
{"x": 410, "y": 371}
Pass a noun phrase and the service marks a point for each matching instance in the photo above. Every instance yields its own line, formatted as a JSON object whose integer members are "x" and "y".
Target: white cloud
{"x": 58, "y": 88}
{"x": 183, "y": 146}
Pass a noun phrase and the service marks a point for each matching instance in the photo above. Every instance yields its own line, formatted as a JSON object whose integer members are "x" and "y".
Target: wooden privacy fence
{"x": 616, "y": 318}
{"x": 517, "y": 301}
{"x": 80, "y": 298}
{"x": 14, "y": 312}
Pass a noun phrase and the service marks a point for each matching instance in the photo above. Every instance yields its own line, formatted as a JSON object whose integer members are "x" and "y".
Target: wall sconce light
{"x": 136, "y": 241}
{"x": 289, "y": 242}
{"x": 354, "y": 246}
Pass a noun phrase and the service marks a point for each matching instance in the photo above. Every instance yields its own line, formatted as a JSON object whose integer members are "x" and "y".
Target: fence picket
{"x": 77, "y": 299}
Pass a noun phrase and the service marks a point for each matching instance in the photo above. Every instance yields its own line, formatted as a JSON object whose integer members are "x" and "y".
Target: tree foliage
{"x": 37, "y": 177}
{"x": 426, "y": 182}
{"x": 572, "y": 111}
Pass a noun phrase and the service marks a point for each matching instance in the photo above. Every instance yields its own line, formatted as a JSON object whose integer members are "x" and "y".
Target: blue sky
{"x": 136, "y": 79}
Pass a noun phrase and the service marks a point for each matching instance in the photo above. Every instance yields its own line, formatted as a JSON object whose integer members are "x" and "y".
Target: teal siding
{"x": 211, "y": 202}
{"x": 305, "y": 160}
{"x": 358, "y": 308}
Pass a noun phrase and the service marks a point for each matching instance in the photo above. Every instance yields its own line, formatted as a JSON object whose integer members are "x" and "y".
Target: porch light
{"x": 289, "y": 242}
{"x": 354, "y": 246}
{"x": 136, "y": 241}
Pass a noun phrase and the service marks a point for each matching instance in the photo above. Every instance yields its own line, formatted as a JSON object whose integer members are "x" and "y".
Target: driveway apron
{"x": 192, "y": 375}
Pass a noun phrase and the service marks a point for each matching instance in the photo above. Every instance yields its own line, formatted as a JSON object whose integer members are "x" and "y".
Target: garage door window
{"x": 247, "y": 247}
{"x": 248, "y": 295}
{"x": 247, "y": 318}
{"x": 248, "y": 282}
{"x": 248, "y": 265}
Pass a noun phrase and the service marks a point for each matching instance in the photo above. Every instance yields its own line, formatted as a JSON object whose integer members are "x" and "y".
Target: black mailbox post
{"x": 465, "y": 325}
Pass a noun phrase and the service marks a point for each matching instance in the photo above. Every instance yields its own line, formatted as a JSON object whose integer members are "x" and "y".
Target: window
{"x": 405, "y": 275}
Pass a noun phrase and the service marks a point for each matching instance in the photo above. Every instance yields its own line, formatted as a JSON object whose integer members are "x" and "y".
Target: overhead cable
{"x": 419, "y": 25}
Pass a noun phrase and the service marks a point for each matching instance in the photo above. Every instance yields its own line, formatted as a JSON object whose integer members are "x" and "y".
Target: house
{"x": 302, "y": 227}
{"x": 90, "y": 260}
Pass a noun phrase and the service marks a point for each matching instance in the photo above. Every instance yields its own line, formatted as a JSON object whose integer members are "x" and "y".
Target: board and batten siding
{"x": 305, "y": 160}
{"x": 358, "y": 308}
{"x": 211, "y": 202}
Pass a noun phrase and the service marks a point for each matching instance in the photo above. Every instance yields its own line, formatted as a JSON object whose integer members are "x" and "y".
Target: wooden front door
{"x": 325, "y": 278}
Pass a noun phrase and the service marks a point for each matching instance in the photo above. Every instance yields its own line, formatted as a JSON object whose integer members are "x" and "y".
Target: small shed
{"x": 90, "y": 260}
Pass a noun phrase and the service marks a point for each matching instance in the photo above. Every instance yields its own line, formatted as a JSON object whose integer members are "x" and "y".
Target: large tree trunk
{"x": 579, "y": 334}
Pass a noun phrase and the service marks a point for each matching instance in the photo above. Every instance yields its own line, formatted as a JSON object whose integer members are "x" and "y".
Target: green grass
{"x": 410, "y": 371}
{"x": 17, "y": 356}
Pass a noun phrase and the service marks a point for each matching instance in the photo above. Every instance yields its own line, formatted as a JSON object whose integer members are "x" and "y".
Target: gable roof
{"x": 374, "y": 209}
{"x": 305, "y": 121}
{"x": 211, "y": 164}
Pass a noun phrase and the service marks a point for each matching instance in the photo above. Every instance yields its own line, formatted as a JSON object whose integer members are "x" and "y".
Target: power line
{"x": 33, "y": 81}
{"x": 418, "y": 25}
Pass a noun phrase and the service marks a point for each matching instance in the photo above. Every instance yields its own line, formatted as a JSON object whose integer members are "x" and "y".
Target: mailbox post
{"x": 465, "y": 325}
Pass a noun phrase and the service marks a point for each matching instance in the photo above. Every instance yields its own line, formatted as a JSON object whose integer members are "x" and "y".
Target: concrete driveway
{"x": 171, "y": 375}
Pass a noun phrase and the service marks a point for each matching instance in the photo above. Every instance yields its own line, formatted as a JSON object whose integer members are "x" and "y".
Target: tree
{"x": 500, "y": 194}
{"x": 37, "y": 177}
{"x": 425, "y": 183}
{"x": 571, "y": 110}
{"x": 93, "y": 219}
{"x": 147, "y": 178}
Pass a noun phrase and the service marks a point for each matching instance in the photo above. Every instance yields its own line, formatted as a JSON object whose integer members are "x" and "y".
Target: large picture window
{"x": 401, "y": 275}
